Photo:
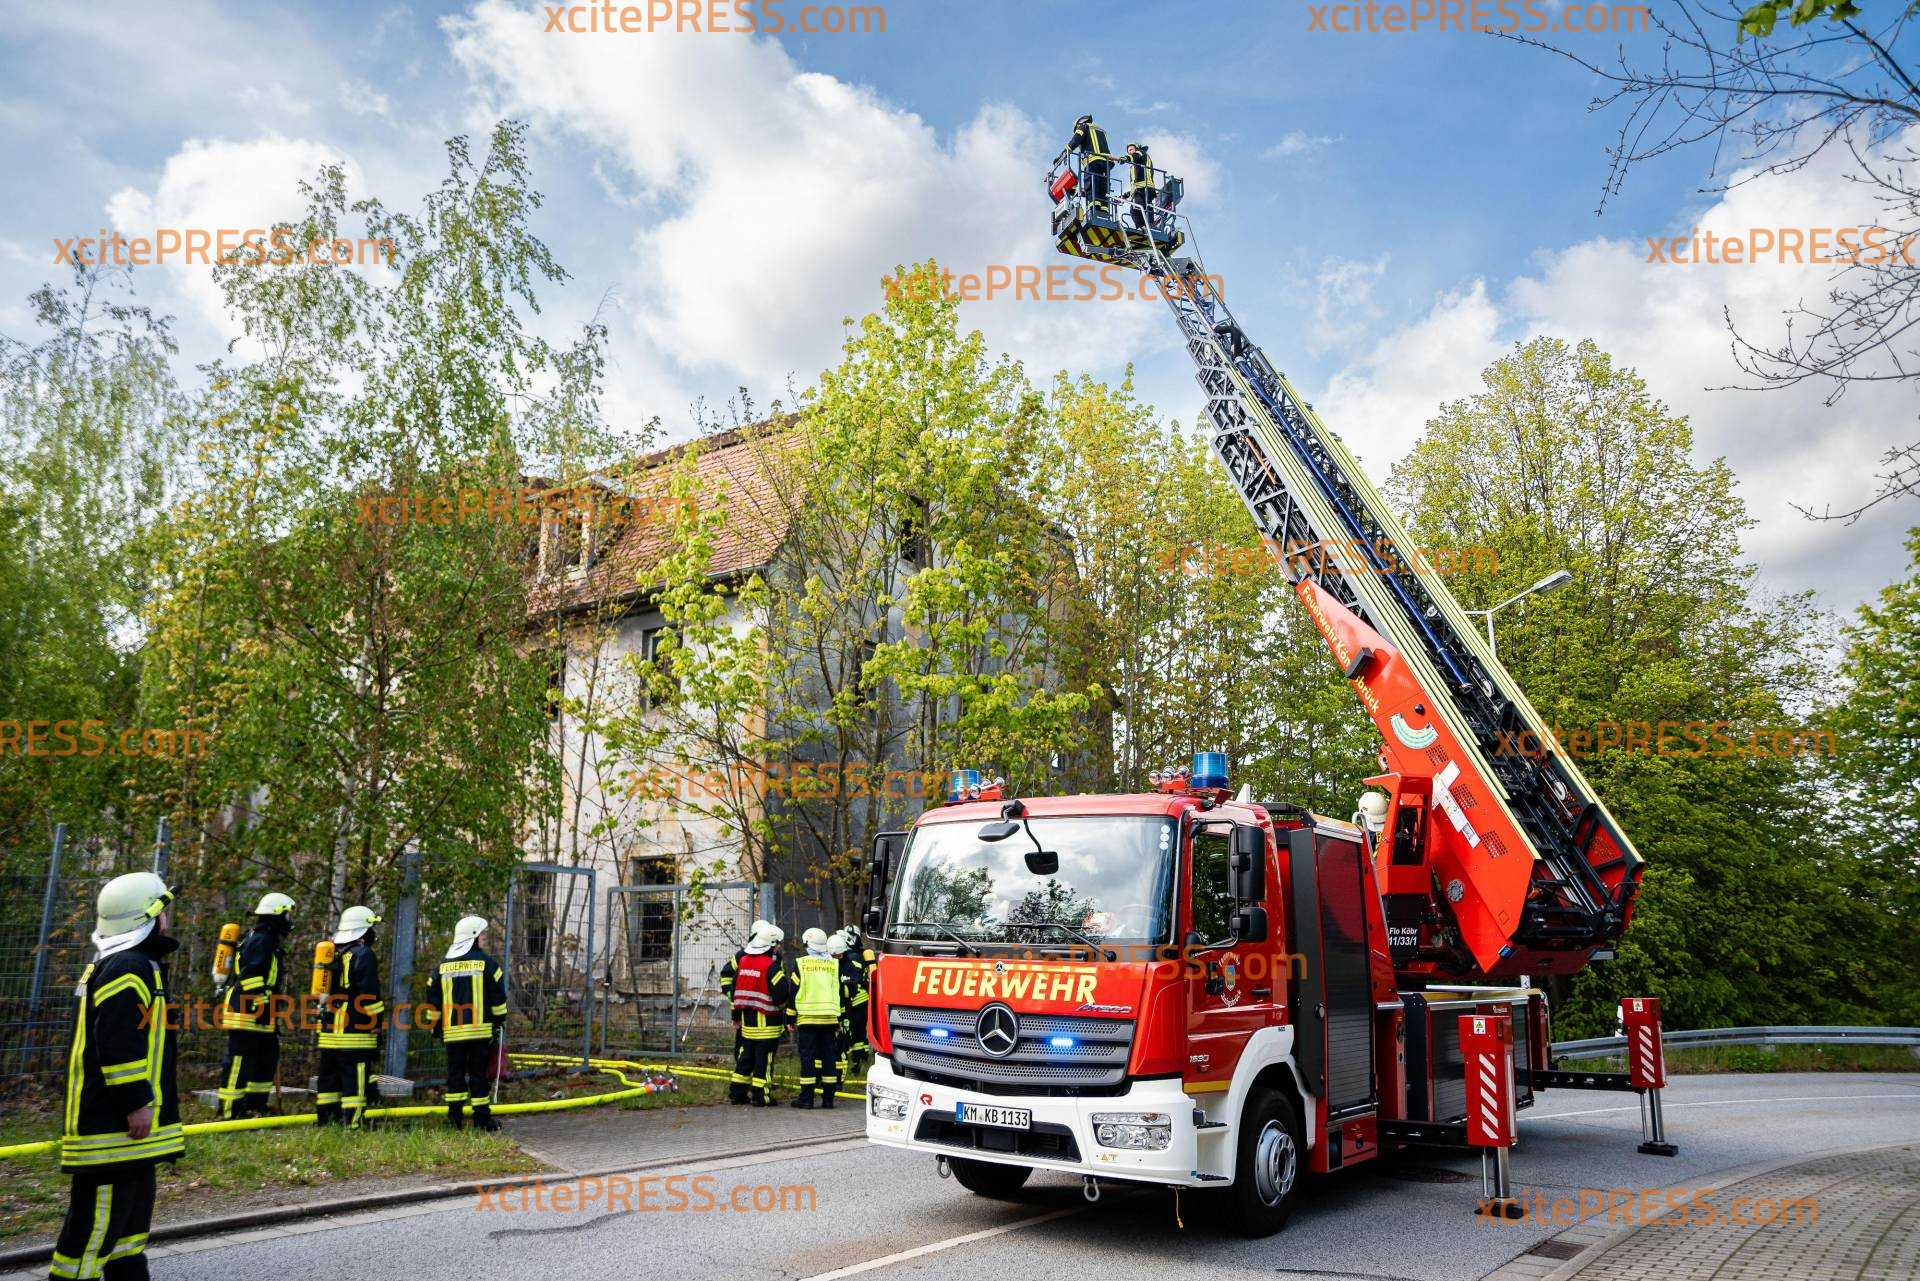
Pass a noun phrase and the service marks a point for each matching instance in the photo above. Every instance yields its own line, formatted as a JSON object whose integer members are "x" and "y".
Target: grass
{"x": 1773, "y": 1058}
{"x": 234, "y": 1170}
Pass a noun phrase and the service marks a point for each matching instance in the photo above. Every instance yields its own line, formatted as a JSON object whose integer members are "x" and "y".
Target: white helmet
{"x": 274, "y": 905}
{"x": 129, "y": 902}
{"x": 837, "y": 945}
{"x": 354, "y": 922}
{"x": 764, "y": 935}
{"x": 465, "y": 931}
{"x": 815, "y": 939}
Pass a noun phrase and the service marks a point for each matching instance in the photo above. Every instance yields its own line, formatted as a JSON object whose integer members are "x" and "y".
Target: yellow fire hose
{"x": 611, "y": 1067}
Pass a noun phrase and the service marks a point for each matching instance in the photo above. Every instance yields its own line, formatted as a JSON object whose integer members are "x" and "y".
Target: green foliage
{"x": 1567, "y": 461}
{"x": 1760, "y": 19}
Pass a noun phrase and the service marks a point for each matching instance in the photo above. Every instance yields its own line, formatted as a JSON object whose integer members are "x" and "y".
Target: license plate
{"x": 987, "y": 1114}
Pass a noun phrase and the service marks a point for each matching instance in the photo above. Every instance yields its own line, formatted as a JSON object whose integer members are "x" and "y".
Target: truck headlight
{"x": 887, "y": 1105}
{"x": 1140, "y": 1131}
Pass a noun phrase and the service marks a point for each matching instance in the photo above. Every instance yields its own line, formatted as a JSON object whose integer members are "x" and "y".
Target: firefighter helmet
{"x": 130, "y": 901}
{"x": 354, "y": 922}
{"x": 815, "y": 939}
{"x": 837, "y": 944}
{"x": 468, "y": 929}
{"x": 765, "y": 934}
{"x": 274, "y": 905}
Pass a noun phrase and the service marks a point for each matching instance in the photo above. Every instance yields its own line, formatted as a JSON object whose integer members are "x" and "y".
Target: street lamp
{"x": 1552, "y": 582}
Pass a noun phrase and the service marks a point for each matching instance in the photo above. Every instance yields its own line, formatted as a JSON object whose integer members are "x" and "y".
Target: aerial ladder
{"x": 1494, "y": 862}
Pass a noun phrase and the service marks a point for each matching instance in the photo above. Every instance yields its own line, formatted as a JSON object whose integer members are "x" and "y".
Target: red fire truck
{"x": 1206, "y": 991}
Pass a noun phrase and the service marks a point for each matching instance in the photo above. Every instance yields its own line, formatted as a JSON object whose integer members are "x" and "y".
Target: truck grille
{"x": 1096, "y": 1061}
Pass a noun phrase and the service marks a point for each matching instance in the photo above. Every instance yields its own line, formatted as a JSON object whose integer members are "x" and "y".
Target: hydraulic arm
{"x": 1495, "y": 861}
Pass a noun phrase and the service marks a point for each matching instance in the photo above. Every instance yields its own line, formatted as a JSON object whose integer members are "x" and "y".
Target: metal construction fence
{"x": 590, "y": 967}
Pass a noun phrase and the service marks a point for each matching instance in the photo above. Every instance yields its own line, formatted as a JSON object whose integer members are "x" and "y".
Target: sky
{"x": 1389, "y": 212}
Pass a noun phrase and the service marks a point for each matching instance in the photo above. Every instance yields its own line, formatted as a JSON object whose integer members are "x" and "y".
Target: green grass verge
{"x": 1703, "y": 1059}
{"x": 232, "y": 1171}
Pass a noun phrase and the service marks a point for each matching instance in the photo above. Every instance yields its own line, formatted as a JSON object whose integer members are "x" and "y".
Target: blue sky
{"x": 1389, "y": 211}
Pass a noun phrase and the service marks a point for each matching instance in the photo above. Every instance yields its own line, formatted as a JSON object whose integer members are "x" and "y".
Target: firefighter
{"x": 247, "y": 1012}
{"x": 858, "y": 963}
{"x": 756, "y": 985}
{"x": 350, "y": 1026}
{"x": 1140, "y": 184}
{"x": 1090, "y": 142}
{"x": 122, "y": 1110}
{"x": 471, "y": 1014}
{"x": 819, "y": 997}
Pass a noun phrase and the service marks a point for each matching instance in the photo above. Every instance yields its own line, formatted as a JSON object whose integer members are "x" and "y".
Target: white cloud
{"x": 1668, "y": 323}
{"x": 772, "y": 211}
{"x": 1185, "y": 157}
{"x": 364, "y": 100}
{"x": 215, "y": 184}
{"x": 1296, "y": 143}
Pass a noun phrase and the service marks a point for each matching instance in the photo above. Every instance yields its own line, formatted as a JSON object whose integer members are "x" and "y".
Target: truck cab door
{"x": 1231, "y": 989}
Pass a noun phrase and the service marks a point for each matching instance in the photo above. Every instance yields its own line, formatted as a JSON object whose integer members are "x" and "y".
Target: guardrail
{"x": 1601, "y": 1046}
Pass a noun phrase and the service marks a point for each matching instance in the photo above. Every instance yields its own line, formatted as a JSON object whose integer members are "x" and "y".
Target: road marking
{"x": 937, "y": 1246}
{"x": 1717, "y": 1103}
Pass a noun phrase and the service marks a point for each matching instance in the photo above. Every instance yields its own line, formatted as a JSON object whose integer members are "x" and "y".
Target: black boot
{"x": 326, "y": 1114}
{"x": 483, "y": 1119}
{"x": 802, "y": 1100}
{"x": 456, "y": 1115}
{"x": 826, "y": 1100}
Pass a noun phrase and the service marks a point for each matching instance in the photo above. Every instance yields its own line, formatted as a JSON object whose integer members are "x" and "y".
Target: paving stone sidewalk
{"x": 1844, "y": 1217}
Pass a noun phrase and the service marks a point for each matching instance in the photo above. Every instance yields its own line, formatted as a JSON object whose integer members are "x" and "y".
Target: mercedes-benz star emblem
{"x": 998, "y": 1030}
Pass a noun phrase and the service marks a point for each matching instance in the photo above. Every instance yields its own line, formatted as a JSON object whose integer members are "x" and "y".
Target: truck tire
{"x": 987, "y": 1178}
{"x": 1268, "y": 1166}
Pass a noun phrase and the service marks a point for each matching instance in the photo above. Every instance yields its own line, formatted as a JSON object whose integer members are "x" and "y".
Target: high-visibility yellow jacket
{"x": 819, "y": 991}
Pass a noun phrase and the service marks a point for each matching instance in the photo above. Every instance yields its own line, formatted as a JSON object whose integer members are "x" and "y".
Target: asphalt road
{"x": 883, "y": 1213}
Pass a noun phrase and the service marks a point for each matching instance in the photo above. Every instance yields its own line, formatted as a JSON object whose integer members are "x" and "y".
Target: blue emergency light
{"x": 1061, "y": 1042}
{"x": 963, "y": 784}
{"x": 1209, "y": 772}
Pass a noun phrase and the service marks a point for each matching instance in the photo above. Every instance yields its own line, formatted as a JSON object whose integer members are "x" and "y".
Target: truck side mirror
{"x": 1247, "y": 865}
{"x": 886, "y": 853}
{"x": 1250, "y": 924}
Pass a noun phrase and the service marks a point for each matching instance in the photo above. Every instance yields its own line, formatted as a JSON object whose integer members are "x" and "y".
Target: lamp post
{"x": 1552, "y": 582}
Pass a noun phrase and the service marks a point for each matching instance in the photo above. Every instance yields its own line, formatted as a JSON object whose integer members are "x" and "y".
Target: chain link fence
{"x": 592, "y": 968}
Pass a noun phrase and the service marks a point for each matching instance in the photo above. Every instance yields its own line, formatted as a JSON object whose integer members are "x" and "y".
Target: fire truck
{"x": 1199, "y": 989}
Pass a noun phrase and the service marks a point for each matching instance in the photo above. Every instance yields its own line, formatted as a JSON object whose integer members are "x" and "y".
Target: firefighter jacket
{"x": 122, "y": 1060}
{"x": 757, "y": 986}
{"x": 853, "y": 979}
{"x": 355, "y": 1007}
{"x": 1090, "y": 140}
{"x": 1139, "y": 172}
{"x": 820, "y": 992}
{"x": 248, "y": 1003}
{"x": 472, "y": 994}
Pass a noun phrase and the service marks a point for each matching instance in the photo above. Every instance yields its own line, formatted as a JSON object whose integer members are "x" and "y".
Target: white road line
{"x": 1719, "y": 1103}
{"x": 937, "y": 1246}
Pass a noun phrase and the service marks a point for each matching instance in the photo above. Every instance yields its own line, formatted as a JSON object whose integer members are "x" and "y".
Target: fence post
{"x": 406, "y": 919}
{"x": 586, "y": 1002}
{"x": 46, "y": 919}
{"x": 673, "y": 981}
{"x": 163, "y": 848}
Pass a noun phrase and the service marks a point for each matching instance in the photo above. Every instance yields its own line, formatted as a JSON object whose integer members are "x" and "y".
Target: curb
{"x": 1594, "y": 1241}
{"x": 271, "y": 1216}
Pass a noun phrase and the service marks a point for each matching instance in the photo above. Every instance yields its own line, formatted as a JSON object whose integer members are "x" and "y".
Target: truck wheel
{"x": 1269, "y": 1164}
{"x": 986, "y": 1178}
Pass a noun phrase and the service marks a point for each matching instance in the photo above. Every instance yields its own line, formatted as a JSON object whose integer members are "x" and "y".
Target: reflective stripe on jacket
{"x": 355, "y": 1014}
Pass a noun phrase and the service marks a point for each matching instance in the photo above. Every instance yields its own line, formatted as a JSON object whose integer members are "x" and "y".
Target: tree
{"x": 1766, "y": 103}
{"x": 1566, "y": 460}
{"x": 92, "y": 428}
{"x": 366, "y": 682}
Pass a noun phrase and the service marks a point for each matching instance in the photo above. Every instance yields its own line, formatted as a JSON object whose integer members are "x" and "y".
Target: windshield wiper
{"x": 935, "y": 925}
{"x": 1069, "y": 929}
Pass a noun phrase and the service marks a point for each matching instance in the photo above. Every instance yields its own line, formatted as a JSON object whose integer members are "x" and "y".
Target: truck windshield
{"x": 1115, "y": 884}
